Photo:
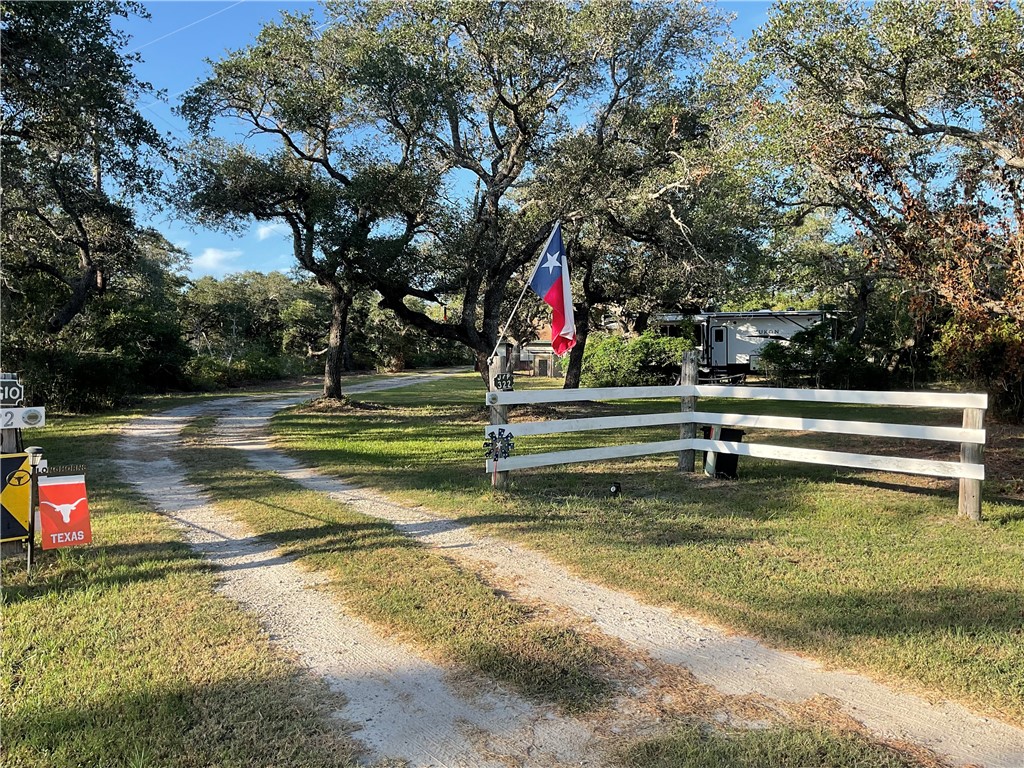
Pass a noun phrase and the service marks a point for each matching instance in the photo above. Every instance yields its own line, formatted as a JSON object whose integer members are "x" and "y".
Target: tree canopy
{"x": 425, "y": 122}
{"x": 905, "y": 120}
{"x": 76, "y": 152}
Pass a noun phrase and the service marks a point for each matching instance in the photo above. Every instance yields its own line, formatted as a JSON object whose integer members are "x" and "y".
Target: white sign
{"x": 22, "y": 418}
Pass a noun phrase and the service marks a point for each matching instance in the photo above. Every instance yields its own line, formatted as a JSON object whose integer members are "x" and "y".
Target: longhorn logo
{"x": 65, "y": 509}
{"x": 19, "y": 477}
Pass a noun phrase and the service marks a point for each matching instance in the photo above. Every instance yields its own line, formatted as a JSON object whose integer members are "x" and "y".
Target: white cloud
{"x": 213, "y": 260}
{"x": 267, "y": 230}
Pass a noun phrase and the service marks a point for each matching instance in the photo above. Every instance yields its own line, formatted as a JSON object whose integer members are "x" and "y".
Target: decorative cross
{"x": 499, "y": 445}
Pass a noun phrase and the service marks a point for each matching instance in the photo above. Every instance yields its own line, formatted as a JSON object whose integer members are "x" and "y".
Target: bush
{"x": 648, "y": 359}
{"x": 814, "y": 357}
{"x": 208, "y": 372}
{"x": 987, "y": 352}
{"x": 78, "y": 381}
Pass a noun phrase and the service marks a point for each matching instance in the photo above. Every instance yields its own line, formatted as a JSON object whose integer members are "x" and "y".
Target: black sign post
{"x": 504, "y": 382}
{"x": 12, "y": 392}
{"x": 35, "y": 455}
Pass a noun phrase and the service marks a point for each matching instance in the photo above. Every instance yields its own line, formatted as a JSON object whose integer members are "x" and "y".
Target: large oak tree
{"x": 416, "y": 126}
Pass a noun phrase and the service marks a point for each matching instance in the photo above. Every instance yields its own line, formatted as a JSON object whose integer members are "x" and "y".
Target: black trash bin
{"x": 725, "y": 464}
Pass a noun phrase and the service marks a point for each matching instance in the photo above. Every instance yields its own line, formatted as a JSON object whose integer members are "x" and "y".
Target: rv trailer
{"x": 730, "y": 343}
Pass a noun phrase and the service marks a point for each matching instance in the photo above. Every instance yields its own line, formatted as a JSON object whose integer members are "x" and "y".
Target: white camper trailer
{"x": 730, "y": 342}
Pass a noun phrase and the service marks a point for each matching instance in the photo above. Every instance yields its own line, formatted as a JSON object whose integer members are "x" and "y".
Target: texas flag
{"x": 550, "y": 281}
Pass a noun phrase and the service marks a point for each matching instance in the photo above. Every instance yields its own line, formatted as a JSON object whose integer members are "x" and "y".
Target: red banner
{"x": 63, "y": 511}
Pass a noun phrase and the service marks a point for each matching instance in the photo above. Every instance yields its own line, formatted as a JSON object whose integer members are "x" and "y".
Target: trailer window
{"x": 719, "y": 335}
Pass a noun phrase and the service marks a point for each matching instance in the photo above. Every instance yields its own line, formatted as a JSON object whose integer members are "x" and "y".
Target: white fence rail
{"x": 971, "y": 437}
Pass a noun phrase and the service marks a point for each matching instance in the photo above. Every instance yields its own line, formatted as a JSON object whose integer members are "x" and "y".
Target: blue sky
{"x": 175, "y": 44}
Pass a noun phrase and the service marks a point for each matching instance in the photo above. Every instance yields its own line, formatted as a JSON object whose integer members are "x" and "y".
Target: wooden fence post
{"x": 498, "y": 413}
{"x": 971, "y": 453}
{"x": 688, "y": 430}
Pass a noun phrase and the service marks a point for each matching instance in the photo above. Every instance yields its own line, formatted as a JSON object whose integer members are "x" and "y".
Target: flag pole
{"x": 507, "y": 322}
{"x": 504, "y": 330}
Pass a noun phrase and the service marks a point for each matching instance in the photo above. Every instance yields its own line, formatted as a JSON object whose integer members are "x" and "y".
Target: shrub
{"x": 648, "y": 359}
{"x": 988, "y": 352}
{"x": 210, "y": 372}
{"x": 77, "y": 381}
{"x": 813, "y": 356}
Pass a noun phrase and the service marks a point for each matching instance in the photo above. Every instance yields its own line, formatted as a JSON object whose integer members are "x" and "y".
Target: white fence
{"x": 970, "y": 469}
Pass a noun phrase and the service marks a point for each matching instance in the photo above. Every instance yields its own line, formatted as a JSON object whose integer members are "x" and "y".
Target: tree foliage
{"x": 76, "y": 152}
{"x": 645, "y": 360}
{"x": 89, "y": 296}
{"x": 352, "y": 202}
{"x": 906, "y": 119}
{"x": 424, "y": 122}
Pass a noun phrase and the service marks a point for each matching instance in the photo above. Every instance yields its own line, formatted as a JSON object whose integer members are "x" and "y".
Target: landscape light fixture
{"x": 616, "y": 488}
{"x": 35, "y": 455}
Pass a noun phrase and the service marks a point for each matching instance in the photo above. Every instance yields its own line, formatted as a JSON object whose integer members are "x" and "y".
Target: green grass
{"x": 694, "y": 747}
{"x": 121, "y": 654}
{"x": 865, "y": 570}
{"x": 394, "y": 582}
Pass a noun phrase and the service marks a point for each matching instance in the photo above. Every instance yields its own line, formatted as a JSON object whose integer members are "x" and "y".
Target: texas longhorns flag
{"x": 63, "y": 511}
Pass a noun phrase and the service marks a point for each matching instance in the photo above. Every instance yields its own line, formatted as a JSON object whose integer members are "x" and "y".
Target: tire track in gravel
{"x": 732, "y": 664}
{"x": 399, "y": 706}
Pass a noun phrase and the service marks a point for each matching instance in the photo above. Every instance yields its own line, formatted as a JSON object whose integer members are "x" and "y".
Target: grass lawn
{"x": 121, "y": 654}
{"x": 694, "y": 747}
{"x": 863, "y": 570}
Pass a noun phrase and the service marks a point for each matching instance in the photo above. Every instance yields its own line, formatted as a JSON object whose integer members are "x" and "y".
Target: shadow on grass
{"x": 693, "y": 746}
{"x": 336, "y": 538}
{"x": 1008, "y": 518}
{"x": 100, "y": 565}
{"x": 276, "y": 719}
{"x": 638, "y": 531}
{"x": 904, "y": 611}
{"x": 884, "y": 485}
{"x": 944, "y": 493}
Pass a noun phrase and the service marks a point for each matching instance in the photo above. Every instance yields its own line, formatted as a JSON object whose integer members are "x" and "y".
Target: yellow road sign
{"x": 15, "y": 496}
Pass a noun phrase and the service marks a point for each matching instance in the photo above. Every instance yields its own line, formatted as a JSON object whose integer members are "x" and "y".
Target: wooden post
{"x": 9, "y": 440}
{"x": 498, "y": 413}
{"x": 688, "y": 377}
{"x": 971, "y": 453}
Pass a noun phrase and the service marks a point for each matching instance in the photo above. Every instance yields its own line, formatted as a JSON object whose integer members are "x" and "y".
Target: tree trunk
{"x": 482, "y": 367}
{"x": 341, "y": 301}
{"x": 861, "y": 305}
{"x": 575, "y": 368}
{"x": 81, "y": 289}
